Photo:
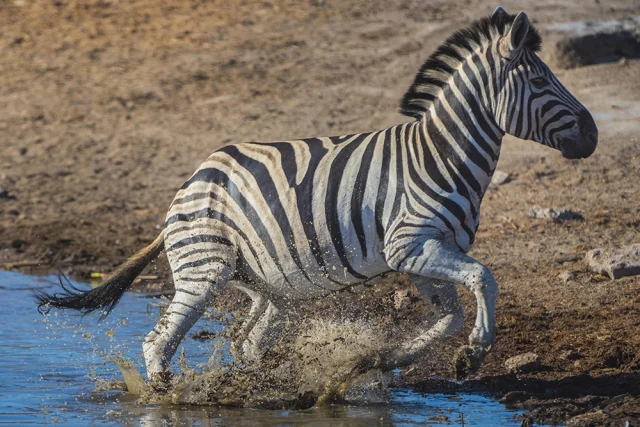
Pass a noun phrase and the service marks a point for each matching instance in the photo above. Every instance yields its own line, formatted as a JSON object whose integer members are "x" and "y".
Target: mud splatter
{"x": 318, "y": 364}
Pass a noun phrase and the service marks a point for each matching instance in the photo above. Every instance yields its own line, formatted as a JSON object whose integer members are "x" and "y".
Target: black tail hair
{"x": 106, "y": 296}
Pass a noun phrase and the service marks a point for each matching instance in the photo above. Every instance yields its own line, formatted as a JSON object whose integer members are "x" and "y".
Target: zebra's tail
{"x": 106, "y": 296}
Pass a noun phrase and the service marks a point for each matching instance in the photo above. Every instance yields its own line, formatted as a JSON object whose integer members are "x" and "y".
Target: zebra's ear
{"x": 499, "y": 11}
{"x": 514, "y": 40}
{"x": 519, "y": 31}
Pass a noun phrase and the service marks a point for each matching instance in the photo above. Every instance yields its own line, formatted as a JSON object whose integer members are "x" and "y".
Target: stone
{"x": 567, "y": 276}
{"x": 500, "y": 178}
{"x": 401, "y": 298}
{"x": 523, "y": 363}
{"x": 579, "y": 43}
{"x": 571, "y": 355}
{"x": 557, "y": 215}
{"x": 4, "y": 194}
{"x": 615, "y": 263}
{"x": 595, "y": 418}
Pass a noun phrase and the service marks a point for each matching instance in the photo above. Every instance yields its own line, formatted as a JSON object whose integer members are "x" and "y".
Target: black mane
{"x": 428, "y": 80}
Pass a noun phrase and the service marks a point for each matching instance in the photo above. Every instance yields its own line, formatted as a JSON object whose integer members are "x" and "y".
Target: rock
{"x": 405, "y": 297}
{"x": 4, "y": 194}
{"x": 553, "y": 214}
{"x": 500, "y": 178}
{"x": 401, "y": 298}
{"x": 615, "y": 263}
{"x": 580, "y": 43}
{"x": 516, "y": 396}
{"x": 522, "y": 363}
{"x": 596, "y": 418}
{"x": 19, "y": 244}
{"x": 571, "y": 355}
{"x": 567, "y": 276}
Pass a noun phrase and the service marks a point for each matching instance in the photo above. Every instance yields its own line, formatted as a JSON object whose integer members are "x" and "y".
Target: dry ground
{"x": 107, "y": 106}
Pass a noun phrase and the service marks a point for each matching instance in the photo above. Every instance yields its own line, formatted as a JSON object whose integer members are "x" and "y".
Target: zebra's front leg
{"x": 438, "y": 260}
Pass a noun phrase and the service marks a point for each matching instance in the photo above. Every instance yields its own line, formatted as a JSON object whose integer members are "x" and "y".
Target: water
{"x": 50, "y": 367}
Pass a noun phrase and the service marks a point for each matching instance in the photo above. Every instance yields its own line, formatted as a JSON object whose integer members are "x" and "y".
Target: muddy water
{"x": 56, "y": 369}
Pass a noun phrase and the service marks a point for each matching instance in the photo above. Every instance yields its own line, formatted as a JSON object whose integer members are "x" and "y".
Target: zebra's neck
{"x": 464, "y": 139}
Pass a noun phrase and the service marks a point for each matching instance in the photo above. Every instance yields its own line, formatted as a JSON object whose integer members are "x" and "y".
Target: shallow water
{"x": 51, "y": 365}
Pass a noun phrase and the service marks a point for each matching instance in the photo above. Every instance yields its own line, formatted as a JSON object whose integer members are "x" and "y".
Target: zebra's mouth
{"x": 568, "y": 151}
{"x": 572, "y": 149}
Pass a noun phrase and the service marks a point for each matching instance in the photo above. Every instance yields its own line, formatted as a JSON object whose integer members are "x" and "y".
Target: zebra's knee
{"x": 481, "y": 279}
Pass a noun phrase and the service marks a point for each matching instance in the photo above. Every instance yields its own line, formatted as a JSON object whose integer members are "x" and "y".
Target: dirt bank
{"x": 108, "y": 106}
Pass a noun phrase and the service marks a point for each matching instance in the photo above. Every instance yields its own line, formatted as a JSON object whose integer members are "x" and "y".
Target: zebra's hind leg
{"x": 264, "y": 334}
{"x": 259, "y": 305}
{"x": 193, "y": 292}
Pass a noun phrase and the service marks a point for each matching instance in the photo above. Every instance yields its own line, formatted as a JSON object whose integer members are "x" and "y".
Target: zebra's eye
{"x": 539, "y": 82}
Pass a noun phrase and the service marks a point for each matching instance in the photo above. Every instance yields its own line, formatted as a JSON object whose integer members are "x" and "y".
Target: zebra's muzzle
{"x": 586, "y": 142}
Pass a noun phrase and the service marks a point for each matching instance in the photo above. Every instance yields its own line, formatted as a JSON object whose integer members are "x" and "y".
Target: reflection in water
{"x": 56, "y": 369}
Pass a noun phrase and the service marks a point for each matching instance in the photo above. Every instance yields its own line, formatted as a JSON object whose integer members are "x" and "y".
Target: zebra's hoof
{"x": 160, "y": 382}
{"x": 467, "y": 360}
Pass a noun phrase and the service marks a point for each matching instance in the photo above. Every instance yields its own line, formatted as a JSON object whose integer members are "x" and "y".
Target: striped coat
{"x": 285, "y": 221}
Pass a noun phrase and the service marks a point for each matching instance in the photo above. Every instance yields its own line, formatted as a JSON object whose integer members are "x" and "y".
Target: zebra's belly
{"x": 309, "y": 279}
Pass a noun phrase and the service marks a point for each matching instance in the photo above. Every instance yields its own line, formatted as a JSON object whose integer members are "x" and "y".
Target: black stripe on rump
{"x": 219, "y": 177}
{"x": 331, "y": 201}
{"x": 201, "y": 262}
{"x": 288, "y": 161}
{"x": 209, "y": 213}
{"x": 200, "y": 238}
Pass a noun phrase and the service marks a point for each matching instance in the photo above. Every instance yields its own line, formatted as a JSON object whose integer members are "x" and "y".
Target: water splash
{"x": 318, "y": 365}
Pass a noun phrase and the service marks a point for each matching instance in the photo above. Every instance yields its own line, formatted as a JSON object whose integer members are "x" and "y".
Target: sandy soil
{"x": 107, "y": 106}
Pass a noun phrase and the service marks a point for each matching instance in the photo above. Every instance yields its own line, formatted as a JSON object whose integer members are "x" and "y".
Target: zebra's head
{"x": 490, "y": 73}
{"x": 531, "y": 102}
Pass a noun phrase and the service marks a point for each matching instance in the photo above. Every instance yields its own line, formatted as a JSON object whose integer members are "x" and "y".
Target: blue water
{"x": 50, "y": 367}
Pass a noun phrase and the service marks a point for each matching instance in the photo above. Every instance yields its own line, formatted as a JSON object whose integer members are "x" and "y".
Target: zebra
{"x": 297, "y": 220}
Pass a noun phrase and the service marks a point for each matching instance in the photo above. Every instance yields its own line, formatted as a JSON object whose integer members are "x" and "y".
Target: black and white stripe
{"x": 300, "y": 219}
